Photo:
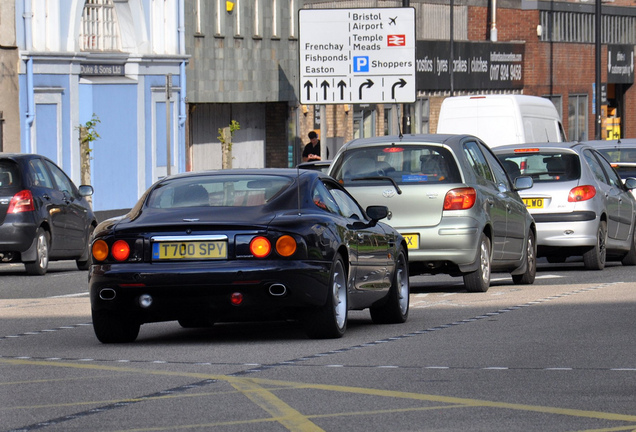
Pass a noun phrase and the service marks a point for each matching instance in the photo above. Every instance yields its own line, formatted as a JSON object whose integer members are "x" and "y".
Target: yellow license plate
{"x": 412, "y": 240}
{"x": 533, "y": 203}
{"x": 204, "y": 250}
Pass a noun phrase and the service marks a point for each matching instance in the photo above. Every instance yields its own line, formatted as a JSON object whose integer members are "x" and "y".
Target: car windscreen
{"x": 9, "y": 175}
{"x": 542, "y": 166}
{"x": 622, "y": 159}
{"x": 404, "y": 164}
{"x": 217, "y": 191}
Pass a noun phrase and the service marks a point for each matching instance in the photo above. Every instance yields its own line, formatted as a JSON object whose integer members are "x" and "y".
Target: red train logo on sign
{"x": 396, "y": 40}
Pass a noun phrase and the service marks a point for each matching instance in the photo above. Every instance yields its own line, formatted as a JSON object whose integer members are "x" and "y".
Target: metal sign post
{"x": 168, "y": 128}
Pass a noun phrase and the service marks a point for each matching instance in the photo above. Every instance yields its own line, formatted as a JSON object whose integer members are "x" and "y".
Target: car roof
{"x": 405, "y": 140}
{"x": 569, "y": 145}
{"x": 626, "y": 142}
{"x": 288, "y": 172}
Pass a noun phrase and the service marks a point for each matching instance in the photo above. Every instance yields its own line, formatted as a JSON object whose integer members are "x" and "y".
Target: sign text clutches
{"x": 357, "y": 55}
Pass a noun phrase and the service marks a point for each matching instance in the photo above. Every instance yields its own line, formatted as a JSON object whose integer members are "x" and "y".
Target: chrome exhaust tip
{"x": 107, "y": 294}
{"x": 277, "y": 290}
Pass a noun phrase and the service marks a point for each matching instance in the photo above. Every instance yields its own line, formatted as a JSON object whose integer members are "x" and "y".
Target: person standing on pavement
{"x": 312, "y": 149}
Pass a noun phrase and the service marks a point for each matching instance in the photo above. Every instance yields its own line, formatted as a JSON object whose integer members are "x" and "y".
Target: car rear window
{"x": 542, "y": 166}
{"x": 405, "y": 164}
{"x": 623, "y": 160}
{"x": 9, "y": 175}
{"x": 217, "y": 191}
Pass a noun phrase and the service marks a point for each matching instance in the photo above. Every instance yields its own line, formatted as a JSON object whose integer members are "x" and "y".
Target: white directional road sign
{"x": 357, "y": 55}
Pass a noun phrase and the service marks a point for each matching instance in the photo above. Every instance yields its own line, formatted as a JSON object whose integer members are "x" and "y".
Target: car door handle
{"x": 46, "y": 197}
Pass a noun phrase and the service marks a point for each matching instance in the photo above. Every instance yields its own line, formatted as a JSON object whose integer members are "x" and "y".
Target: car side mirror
{"x": 630, "y": 183}
{"x": 523, "y": 182}
{"x": 85, "y": 190}
{"x": 376, "y": 212}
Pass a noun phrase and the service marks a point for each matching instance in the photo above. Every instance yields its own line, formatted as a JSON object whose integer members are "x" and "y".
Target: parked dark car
{"x": 255, "y": 244}
{"x": 580, "y": 204}
{"x": 43, "y": 215}
{"x": 450, "y": 198}
{"x": 316, "y": 165}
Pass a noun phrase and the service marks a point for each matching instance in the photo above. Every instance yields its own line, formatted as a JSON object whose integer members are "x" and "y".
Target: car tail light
{"x": 100, "y": 250}
{"x": 260, "y": 247}
{"x": 459, "y": 199}
{"x": 121, "y": 250}
{"x": 21, "y": 202}
{"x": 286, "y": 246}
{"x": 582, "y": 193}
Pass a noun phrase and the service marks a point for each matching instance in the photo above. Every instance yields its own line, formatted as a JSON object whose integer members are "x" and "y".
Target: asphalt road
{"x": 559, "y": 355}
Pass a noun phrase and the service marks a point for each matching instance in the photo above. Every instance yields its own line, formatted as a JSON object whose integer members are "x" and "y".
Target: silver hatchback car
{"x": 578, "y": 201}
{"x": 451, "y": 199}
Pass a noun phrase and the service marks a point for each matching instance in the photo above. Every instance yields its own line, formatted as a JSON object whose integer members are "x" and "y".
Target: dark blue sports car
{"x": 234, "y": 245}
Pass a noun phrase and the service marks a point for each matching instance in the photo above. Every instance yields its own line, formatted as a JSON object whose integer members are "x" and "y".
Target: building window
{"x": 238, "y": 33}
{"x": 198, "y": 16}
{"x": 581, "y": 28}
{"x": 275, "y": 11}
{"x": 577, "y": 117}
{"x": 258, "y": 19}
{"x": 557, "y": 101}
{"x": 292, "y": 19}
{"x": 363, "y": 121}
{"x": 100, "y": 31}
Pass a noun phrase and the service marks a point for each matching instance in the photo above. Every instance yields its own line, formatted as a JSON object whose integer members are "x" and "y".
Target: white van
{"x": 502, "y": 119}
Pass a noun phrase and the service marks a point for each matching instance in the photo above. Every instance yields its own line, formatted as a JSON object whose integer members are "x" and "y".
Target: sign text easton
{"x": 357, "y": 55}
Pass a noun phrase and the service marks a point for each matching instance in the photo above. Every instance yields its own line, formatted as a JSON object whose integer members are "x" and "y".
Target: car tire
{"x": 113, "y": 328}
{"x": 479, "y": 280}
{"x": 330, "y": 321}
{"x": 594, "y": 259}
{"x": 527, "y": 278}
{"x": 630, "y": 258}
{"x": 395, "y": 310}
{"x": 41, "y": 263}
{"x": 86, "y": 264}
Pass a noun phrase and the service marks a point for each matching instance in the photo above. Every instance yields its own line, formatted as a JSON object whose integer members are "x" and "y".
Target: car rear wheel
{"x": 630, "y": 258}
{"x": 395, "y": 309}
{"x": 330, "y": 321}
{"x": 528, "y": 276}
{"x": 594, "y": 259}
{"x": 113, "y": 328}
{"x": 479, "y": 280}
{"x": 41, "y": 263}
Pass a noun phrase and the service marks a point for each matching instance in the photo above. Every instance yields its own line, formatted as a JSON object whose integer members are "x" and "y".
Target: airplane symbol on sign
{"x": 392, "y": 21}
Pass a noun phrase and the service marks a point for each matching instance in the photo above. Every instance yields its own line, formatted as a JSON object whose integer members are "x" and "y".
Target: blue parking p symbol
{"x": 361, "y": 64}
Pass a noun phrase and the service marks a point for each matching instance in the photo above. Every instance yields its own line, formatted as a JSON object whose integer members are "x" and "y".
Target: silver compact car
{"x": 621, "y": 154}
{"x": 578, "y": 201}
{"x": 450, "y": 198}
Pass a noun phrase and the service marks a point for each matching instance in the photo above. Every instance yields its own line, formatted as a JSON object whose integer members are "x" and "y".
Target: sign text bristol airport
{"x": 357, "y": 55}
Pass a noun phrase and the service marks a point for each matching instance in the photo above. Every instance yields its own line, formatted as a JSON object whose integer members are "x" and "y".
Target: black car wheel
{"x": 528, "y": 276}
{"x": 113, "y": 328}
{"x": 630, "y": 258}
{"x": 395, "y": 309}
{"x": 330, "y": 321}
{"x": 41, "y": 263}
{"x": 479, "y": 280}
{"x": 594, "y": 259}
{"x": 85, "y": 264}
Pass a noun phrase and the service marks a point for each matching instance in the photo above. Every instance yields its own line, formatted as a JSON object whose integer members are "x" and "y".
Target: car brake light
{"x": 121, "y": 250}
{"x": 582, "y": 193}
{"x": 21, "y": 202}
{"x": 459, "y": 199}
{"x": 260, "y": 247}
